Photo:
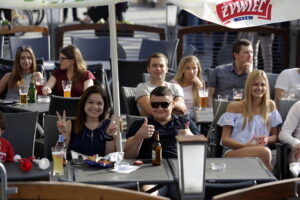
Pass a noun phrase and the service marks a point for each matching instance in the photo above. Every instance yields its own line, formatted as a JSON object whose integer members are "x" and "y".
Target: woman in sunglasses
{"x": 251, "y": 124}
{"x": 91, "y": 132}
{"x": 72, "y": 68}
{"x": 189, "y": 77}
{"x": 24, "y": 67}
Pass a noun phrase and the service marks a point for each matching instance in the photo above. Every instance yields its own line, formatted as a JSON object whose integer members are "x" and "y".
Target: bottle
{"x": 61, "y": 143}
{"x": 32, "y": 90}
{"x": 156, "y": 150}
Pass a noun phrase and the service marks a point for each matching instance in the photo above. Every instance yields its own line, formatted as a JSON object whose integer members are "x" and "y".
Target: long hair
{"x": 16, "y": 75}
{"x": 72, "y": 52}
{"x": 180, "y": 75}
{"x": 264, "y": 105}
{"x": 81, "y": 115}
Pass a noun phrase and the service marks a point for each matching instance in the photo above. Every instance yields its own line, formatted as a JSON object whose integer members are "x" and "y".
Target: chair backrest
{"x": 1, "y": 45}
{"x": 128, "y": 97}
{"x": 131, "y": 118}
{"x": 20, "y": 132}
{"x": 284, "y": 105}
{"x": 97, "y": 48}
{"x": 272, "y": 81}
{"x": 58, "y": 103}
{"x": 212, "y": 189}
{"x": 169, "y": 77}
{"x": 40, "y": 46}
{"x": 167, "y": 47}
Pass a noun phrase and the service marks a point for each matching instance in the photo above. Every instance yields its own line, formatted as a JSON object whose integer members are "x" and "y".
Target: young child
{"x": 6, "y": 150}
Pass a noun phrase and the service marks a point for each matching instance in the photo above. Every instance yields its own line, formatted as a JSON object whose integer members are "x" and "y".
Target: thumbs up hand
{"x": 146, "y": 131}
{"x": 186, "y": 130}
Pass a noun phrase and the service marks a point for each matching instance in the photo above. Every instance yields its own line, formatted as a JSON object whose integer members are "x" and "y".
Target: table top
{"x": 204, "y": 115}
{"x": 146, "y": 174}
{"x": 237, "y": 169}
{"x": 50, "y": 65}
{"x": 31, "y": 107}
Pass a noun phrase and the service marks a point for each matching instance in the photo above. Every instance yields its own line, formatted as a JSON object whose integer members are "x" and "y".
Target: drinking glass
{"x": 39, "y": 84}
{"x": 23, "y": 91}
{"x": 237, "y": 94}
{"x": 67, "y": 85}
{"x": 57, "y": 156}
{"x": 203, "y": 98}
{"x": 223, "y": 97}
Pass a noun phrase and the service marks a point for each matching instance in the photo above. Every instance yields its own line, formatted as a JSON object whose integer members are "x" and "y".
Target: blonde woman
{"x": 189, "y": 77}
{"x": 24, "y": 67}
{"x": 249, "y": 125}
{"x": 73, "y": 68}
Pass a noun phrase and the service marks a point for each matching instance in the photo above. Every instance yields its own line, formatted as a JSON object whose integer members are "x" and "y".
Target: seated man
{"x": 158, "y": 68}
{"x": 139, "y": 136}
{"x": 226, "y": 77}
{"x": 287, "y": 83}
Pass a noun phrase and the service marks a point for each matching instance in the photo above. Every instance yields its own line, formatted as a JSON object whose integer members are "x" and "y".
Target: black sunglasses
{"x": 162, "y": 104}
{"x": 23, "y": 47}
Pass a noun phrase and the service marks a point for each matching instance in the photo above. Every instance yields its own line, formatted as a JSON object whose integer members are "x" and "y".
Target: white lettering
{"x": 250, "y": 5}
{"x": 232, "y": 8}
{"x": 260, "y": 5}
{"x": 254, "y": 8}
{"x": 242, "y": 6}
{"x": 225, "y": 11}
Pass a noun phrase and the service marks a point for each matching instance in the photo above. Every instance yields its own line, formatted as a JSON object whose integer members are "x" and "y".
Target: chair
{"x": 212, "y": 189}
{"x": 167, "y": 47}
{"x": 40, "y": 46}
{"x": 284, "y": 105}
{"x": 272, "y": 81}
{"x": 131, "y": 118}
{"x": 169, "y": 77}
{"x": 20, "y": 132}
{"x": 97, "y": 48}
{"x": 58, "y": 103}
{"x": 129, "y": 103}
{"x": 1, "y": 45}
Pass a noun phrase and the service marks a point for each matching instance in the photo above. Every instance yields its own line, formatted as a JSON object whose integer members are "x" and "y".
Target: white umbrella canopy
{"x": 46, "y": 4}
{"x": 241, "y": 13}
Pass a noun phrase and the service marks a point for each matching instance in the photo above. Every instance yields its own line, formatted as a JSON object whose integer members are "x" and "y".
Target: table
{"x": 50, "y": 65}
{"x": 204, "y": 115}
{"x": 40, "y": 107}
{"x": 146, "y": 174}
{"x": 237, "y": 169}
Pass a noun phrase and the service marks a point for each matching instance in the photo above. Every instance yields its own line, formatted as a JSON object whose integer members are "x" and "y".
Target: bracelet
{"x": 108, "y": 137}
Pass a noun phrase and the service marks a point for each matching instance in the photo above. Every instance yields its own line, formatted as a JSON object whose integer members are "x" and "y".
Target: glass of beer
{"x": 237, "y": 94}
{"x": 23, "y": 91}
{"x": 203, "y": 98}
{"x": 57, "y": 156}
{"x": 67, "y": 85}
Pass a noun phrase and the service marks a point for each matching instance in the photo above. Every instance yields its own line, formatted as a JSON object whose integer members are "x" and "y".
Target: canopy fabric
{"x": 241, "y": 13}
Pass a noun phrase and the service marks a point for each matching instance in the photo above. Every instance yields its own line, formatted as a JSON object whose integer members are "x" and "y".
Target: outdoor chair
{"x": 132, "y": 118}
{"x": 21, "y": 131}
{"x": 129, "y": 103}
{"x": 167, "y": 47}
{"x": 272, "y": 81}
{"x": 169, "y": 77}
{"x": 1, "y": 45}
{"x": 96, "y": 48}
{"x": 40, "y": 46}
{"x": 59, "y": 103}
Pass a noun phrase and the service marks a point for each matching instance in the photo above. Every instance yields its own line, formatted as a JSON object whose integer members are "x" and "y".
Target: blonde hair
{"x": 16, "y": 75}
{"x": 180, "y": 75}
{"x": 72, "y": 52}
{"x": 264, "y": 104}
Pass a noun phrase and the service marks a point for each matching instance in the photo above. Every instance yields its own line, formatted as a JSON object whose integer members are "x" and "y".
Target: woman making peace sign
{"x": 91, "y": 132}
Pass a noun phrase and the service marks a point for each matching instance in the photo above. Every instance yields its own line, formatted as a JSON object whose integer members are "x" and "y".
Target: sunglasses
{"x": 161, "y": 104}
{"x": 24, "y": 47}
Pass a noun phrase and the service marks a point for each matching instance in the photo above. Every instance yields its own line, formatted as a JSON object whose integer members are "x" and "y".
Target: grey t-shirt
{"x": 144, "y": 89}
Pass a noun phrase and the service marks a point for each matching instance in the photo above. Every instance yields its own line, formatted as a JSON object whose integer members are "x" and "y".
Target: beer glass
{"x": 23, "y": 91}
{"x": 67, "y": 85}
{"x": 203, "y": 98}
{"x": 237, "y": 94}
{"x": 57, "y": 156}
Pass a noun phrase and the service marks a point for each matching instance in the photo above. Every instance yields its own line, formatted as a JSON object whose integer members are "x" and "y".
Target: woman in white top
{"x": 290, "y": 132}
{"x": 249, "y": 125}
{"x": 189, "y": 77}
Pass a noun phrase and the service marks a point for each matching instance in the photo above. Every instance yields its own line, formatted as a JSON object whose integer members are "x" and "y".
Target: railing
{"x": 6, "y": 30}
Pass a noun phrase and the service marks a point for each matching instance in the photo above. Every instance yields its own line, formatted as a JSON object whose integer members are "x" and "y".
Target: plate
{"x": 102, "y": 164}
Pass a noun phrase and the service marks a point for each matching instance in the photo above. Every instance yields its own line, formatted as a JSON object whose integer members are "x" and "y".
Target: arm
{"x": 179, "y": 106}
{"x": 144, "y": 102}
{"x": 4, "y": 82}
{"x": 64, "y": 127}
{"x": 47, "y": 89}
{"x": 279, "y": 93}
{"x": 198, "y": 82}
{"x": 229, "y": 142}
{"x": 111, "y": 131}
{"x": 211, "y": 93}
{"x": 88, "y": 83}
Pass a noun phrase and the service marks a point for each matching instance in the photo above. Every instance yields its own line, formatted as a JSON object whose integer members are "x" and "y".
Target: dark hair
{"x": 157, "y": 55}
{"x": 81, "y": 115}
{"x": 2, "y": 121}
{"x": 236, "y": 48}
{"x": 161, "y": 91}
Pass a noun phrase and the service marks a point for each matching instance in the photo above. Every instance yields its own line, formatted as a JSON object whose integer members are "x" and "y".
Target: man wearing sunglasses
{"x": 139, "y": 136}
{"x": 157, "y": 67}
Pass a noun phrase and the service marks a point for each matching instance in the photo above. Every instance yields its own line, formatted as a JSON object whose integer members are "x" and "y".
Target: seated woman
{"x": 290, "y": 132}
{"x": 73, "y": 68}
{"x": 189, "y": 77}
{"x": 249, "y": 125}
{"x": 91, "y": 132}
{"x": 24, "y": 67}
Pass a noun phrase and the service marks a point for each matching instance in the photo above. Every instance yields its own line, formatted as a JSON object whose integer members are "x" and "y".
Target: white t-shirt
{"x": 289, "y": 80}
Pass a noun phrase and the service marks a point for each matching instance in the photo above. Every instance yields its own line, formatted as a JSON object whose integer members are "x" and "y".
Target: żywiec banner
{"x": 43, "y": 4}
{"x": 242, "y": 13}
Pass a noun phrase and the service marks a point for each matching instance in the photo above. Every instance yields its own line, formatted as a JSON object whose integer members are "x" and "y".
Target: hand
{"x": 112, "y": 128}
{"x": 186, "y": 130}
{"x": 61, "y": 123}
{"x": 146, "y": 131}
{"x": 197, "y": 82}
{"x": 261, "y": 140}
{"x": 46, "y": 90}
{"x": 297, "y": 152}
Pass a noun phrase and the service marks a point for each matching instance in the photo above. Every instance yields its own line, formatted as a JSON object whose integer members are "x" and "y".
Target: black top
{"x": 89, "y": 142}
{"x": 167, "y": 135}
